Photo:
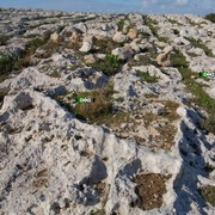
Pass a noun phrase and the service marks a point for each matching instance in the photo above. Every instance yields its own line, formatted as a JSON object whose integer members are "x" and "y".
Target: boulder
{"x": 91, "y": 58}
{"x": 122, "y": 53}
{"x": 86, "y": 47}
{"x": 75, "y": 37}
{"x": 56, "y": 38}
{"x": 119, "y": 37}
{"x": 132, "y": 33}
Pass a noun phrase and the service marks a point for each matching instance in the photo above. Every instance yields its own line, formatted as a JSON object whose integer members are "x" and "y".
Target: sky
{"x": 198, "y": 7}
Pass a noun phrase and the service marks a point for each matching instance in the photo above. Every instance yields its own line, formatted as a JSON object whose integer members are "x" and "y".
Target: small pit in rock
{"x": 150, "y": 190}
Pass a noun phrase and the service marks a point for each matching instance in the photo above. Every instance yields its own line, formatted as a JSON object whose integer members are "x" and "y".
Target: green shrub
{"x": 208, "y": 193}
{"x": 7, "y": 65}
{"x": 210, "y": 17}
{"x": 178, "y": 60}
{"x": 109, "y": 66}
{"x": 176, "y": 32}
{"x": 199, "y": 44}
{"x": 200, "y": 98}
{"x": 120, "y": 24}
{"x": 4, "y": 39}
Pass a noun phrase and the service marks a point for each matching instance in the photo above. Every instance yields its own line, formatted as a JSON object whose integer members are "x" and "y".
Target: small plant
{"x": 208, "y": 193}
{"x": 200, "y": 98}
{"x": 109, "y": 66}
{"x": 4, "y": 39}
{"x": 112, "y": 58}
{"x": 8, "y": 63}
{"x": 98, "y": 212}
{"x": 176, "y": 32}
{"x": 145, "y": 34}
{"x": 199, "y": 44}
{"x": 173, "y": 21}
{"x": 210, "y": 17}
{"x": 178, "y": 60}
{"x": 120, "y": 24}
{"x": 146, "y": 77}
{"x": 55, "y": 74}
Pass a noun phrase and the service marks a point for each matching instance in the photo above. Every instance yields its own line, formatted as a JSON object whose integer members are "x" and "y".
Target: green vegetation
{"x": 176, "y": 32}
{"x": 106, "y": 45}
{"x": 145, "y": 34}
{"x": 109, "y": 66}
{"x": 7, "y": 65}
{"x": 178, "y": 60}
{"x": 100, "y": 111}
{"x": 210, "y": 17}
{"x": 200, "y": 99}
{"x": 169, "y": 110}
{"x": 146, "y": 77}
{"x": 208, "y": 193}
{"x": 4, "y": 39}
{"x": 98, "y": 212}
{"x": 10, "y": 63}
{"x": 55, "y": 74}
{"x": 173, "y": 21}
{"x": 3, "y": 93}
{"x": 150, "y": 190}
{"x": 199, "y": 44}
{"x": 120, "y": 24}
{"x": 154, "y": 29}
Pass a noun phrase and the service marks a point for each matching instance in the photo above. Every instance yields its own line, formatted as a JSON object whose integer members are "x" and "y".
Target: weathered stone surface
{"x": 54, "y": 160}
{"x": 86, "y": 47}
{"x": 119, "y": 37}
{"x": 132, "y": 33}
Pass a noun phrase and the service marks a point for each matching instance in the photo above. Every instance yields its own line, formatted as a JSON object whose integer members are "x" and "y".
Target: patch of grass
{"x": 146, "y": 77}
{"x": 150, "y": 23}
{"x": 169, "y": 110}
{"x": 120, "y": 24}
{"x": 173, "y": 21}
{"x": 148, "y": 118}
{"x": 166, "y": 137}
{"x": 178, "y": 60}
{"x": 3, "y": 93}
{"x": 100, "y": 111}
{"x": 55, "y": 74}
{"x": 150, "y": 190}
{"x": 176, "y": 32}
{"x": 210, "y": 17}
{"x": 105, "y": 45}
{"x": 201, "y": 99}
{"x": 150, "y": 95}
{"x": 199, "y": 44}
{"x": 192, "y": 54}
{"x": 109, "y": 66}
{"x": 7, "y": 65}
{"x": 208, "y": 193}
{"x": 145, "y": 34}
{"x": 98, "y": 212}
{"x": 3, "y": 39}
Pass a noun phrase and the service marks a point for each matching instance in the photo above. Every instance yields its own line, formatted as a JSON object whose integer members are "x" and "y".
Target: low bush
{"x": 210, "y": 17}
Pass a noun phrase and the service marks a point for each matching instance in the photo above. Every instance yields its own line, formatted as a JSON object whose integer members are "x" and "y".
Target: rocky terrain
{"x": 146, "y": 145}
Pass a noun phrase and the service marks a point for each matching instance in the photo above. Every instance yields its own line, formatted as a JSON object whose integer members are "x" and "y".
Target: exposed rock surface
{"x": 61, "y": 157}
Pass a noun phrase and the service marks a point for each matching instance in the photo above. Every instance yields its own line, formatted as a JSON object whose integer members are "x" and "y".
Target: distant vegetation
{"x": 199, "y": 44}
{"x": 201, "y": 99}
{"x": 9, "y": 63}
{"x": 211, "y": 17}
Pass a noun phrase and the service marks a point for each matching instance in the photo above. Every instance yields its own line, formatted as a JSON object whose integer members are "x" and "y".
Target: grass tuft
{"x": 208, "y": 193}
{"x": 210, "y": 17}
{"x": 146, "y": 77}
{"x": 199, "y": 44}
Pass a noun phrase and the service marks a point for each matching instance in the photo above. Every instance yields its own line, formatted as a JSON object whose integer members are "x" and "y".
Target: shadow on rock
{"x": 193, "y": 165}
